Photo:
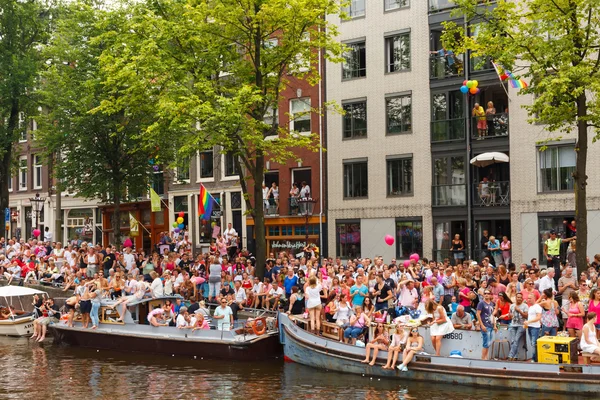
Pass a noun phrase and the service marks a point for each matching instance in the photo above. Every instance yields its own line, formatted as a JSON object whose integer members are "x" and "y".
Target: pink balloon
{"x": 406, "y": 263}
{"x": 414, "y": 257}
{"x": 389, "y": 239}
{"x": 36, "y": 232}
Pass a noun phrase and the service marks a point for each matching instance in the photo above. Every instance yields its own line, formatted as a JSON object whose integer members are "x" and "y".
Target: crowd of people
{"x": 456, "y": 294}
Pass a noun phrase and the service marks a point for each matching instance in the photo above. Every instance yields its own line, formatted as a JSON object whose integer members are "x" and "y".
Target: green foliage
{"x": 552, "y": 44}
{"x": 102, "y": 153}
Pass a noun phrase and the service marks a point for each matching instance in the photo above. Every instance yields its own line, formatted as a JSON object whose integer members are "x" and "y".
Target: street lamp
{"x": 37, "y": 204}
{"x": 306, "y": 206}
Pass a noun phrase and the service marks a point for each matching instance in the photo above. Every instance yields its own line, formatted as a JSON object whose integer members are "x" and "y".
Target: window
{"x": 397, "y": 52}
{"x": 355, "y": 61}
{"x": 355, "y": 8}
{"x": 356, "y": 179}
{"x": 158, "y": 182}
{"x": 399, "y": 176}
{"x": 37, "y": 172}
{"x": 557, "y": 164}
{"x": 10, "y": 184}
{"x": 561, "y": 223}
{"x": 22, "y": 128}
{"x": 23, "y": 173}
{"x": 271, "y": 118}
{"x": 347, "y": 239}
{"x": 395, "y": 4}
{"x": 355, "y": 120}
{"x": 206, "y": 164}
{"x": 182, "y": 171}
{"x": 449, "y": 181}
{"x": 409, "y": 238}
{"x": 399, "y": 114}
{"x": 231, "y": 168}
{"x": 300, "y": 115}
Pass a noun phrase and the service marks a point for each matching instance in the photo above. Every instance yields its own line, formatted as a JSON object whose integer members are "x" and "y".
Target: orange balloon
{"x": 473, "y": 90}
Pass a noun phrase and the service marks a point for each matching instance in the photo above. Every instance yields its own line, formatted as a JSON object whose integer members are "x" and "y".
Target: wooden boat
{"x": 136, "y": 335}
{"x": 318, "y": 352}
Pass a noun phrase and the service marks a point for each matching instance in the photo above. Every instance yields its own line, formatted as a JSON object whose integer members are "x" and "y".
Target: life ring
{"x": 259, "y": 331}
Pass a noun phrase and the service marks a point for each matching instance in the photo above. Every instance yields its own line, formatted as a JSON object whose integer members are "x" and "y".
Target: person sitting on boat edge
{"x": 200, "y": 323}
{"x": 589, "y": 342}
{"x": 396, "y": 346}
{"x": 224, "y": 316}
{"x": 414, "y": 344}
{"x": 461, "y": 319}
{"x": 184, "y": 320}
{"x": 380, "y": 341}
{"x": 153, "y": 316}
{"x": 50, "y": 313}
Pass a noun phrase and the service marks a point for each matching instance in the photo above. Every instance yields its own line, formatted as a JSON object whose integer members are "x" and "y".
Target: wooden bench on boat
{"x": 330, "y": 330}
{"x": 589, "y": 357}
{"x": 108, "y": 315}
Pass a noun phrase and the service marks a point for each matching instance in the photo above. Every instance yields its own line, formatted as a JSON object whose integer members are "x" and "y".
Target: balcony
{"x": 287, "y": 207}
{"x": 448, "y": 130}
{"x": 445, "y": 66}
{"x": 495, "y": 125}
{"x": 491, "y": 194}
{"x": 449, "y": 195}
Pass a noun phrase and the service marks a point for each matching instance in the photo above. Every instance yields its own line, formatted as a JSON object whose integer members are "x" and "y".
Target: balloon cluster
{"x": 470, "y": 87}
{"x": 154, "y": 160}
{"x": 178, "y": 224}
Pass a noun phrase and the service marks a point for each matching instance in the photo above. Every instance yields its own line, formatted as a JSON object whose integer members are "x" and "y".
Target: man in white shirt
{"x": 183, "y": 319}
{"x": 129, "y": 259}
{"x": 47, "y": 235}
{"x": 240, "y": 293}
{"x": 224, "y": 316}
{"x": 231, "y": 239}
{"x": 547, "y": 282}
{"x": 275, "y": 294}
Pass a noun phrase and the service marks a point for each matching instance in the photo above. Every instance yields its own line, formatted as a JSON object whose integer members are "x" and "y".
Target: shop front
{"x": 151, "y": 224}
{"x": 288, "y": 234}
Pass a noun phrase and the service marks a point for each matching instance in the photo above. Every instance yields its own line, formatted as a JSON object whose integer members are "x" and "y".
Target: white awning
{"x": 11, "y": 291}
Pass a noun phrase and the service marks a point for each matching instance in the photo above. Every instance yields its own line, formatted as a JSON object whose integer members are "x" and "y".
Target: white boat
{"x": 16, "y": 303}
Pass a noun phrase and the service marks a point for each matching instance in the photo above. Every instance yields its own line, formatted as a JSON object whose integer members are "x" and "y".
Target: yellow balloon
{"x": 180, "y": 220}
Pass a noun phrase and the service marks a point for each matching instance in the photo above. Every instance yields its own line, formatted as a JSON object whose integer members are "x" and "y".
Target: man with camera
{"x": 50, "y": 313}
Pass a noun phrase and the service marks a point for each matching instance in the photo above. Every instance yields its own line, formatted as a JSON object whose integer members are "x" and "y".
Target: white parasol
{"x": 485, "y": 159}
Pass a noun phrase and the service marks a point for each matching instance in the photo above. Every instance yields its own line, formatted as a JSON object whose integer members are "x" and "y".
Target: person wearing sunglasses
{"x": 224, "y": 316}
{"x": 485, "y": 311}
{"x": 414, "y": 344}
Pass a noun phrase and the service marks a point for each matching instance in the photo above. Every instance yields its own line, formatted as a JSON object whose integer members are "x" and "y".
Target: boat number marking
{"x": 454, "y": 336}
{"x": 28, "y": 326}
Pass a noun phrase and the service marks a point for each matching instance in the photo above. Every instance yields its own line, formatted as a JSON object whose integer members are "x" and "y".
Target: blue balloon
{"x": 181, "y": 226}
{"x": 464, "y": 89}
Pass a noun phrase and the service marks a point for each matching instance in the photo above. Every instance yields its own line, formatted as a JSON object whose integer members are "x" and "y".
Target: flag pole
{"x": 501, "y": 81}
{"x": 140, "y": 224}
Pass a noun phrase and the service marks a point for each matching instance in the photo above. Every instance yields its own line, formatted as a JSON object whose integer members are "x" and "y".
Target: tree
{"x": 102, "y": 154}
{"x": 216, "y": 69}
{"x": 554, "y": 43}
{"x": 24, "y": 26}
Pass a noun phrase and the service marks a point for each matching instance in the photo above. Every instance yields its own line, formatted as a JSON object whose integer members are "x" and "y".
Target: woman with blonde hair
{"x": 414, "y": 344}
{"x": 380, "y": 341}
{"x": 313, "y": 304}
{"x": 396, "y": 346}
{"x": 440, "y": 326}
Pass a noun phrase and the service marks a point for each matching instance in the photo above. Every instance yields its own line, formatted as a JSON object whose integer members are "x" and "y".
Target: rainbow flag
{"x": 504, "y": 74}
{"x": 204, "y": 203}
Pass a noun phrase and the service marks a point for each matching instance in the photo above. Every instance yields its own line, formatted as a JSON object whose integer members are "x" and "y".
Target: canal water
{"x": 46, "y": 371}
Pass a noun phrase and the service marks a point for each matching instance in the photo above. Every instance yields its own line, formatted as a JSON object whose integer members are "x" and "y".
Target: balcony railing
{"x": 287, "y": 207}
{"x": 491, "y": 194}
{"x": 437, "y": 5}
{"x": 495, "y": 125}
{"x": 448, "y": 130}
{"x": 441, "y": 66}
{"x": 449, "y": 195}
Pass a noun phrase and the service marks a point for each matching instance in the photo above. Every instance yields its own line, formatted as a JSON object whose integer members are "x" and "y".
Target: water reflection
{"x": 34, "y": 371}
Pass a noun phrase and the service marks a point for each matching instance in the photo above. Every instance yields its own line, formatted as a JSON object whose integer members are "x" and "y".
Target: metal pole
{"x": 321, "y": 120}
{"x": 58, "y": 217}
{"x": 467, "y": 66}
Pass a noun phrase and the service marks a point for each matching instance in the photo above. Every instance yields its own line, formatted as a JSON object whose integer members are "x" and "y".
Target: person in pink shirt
{"x": 495, "y": 288}
{"x": 408, "y": 294}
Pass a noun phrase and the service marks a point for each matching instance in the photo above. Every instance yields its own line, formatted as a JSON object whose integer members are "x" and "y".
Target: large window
{"x": 449, "y": 181}
{"x": 409, "y": 238}
{"x": 562, "y": 224}
{"x": 356, "y": 179}
{"x": 355, "y": 120}
{"x": 395, "y": 4}
{"x": 355, "y": 8}
{"x": 231, "y": 166}
{"x": 399, "y": 114}
{"x": 10, "y": 183}
{"x": 557, "y": 164}
{"x": 397, "y": 52}
{"x": 300, "y": 115}
{"x": 347, "y": 239}
{"x": 37, "y": 172}
{"x": 206, "y": 164}
{"x": 355, "y": 61}
{"x": 399, "y": 176}
{"x": 23, "y": 173}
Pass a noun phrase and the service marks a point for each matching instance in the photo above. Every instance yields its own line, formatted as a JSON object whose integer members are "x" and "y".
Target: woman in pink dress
{"x": 575, "y": 312}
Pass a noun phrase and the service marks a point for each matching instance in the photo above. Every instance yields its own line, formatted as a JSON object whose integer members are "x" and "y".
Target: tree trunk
{"x": 580, "y": 177}
{"x": 5, "y": 175}
{"x": 260, "y": 239}
{"x": 116, "y": 217}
